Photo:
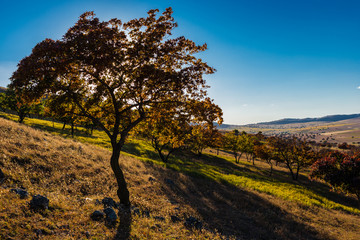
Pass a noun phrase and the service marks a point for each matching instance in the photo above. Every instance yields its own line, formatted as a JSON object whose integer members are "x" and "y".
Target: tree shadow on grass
{"x": 62, "y": 132}
{"x": 124, "y": 228}
{"x": 138, "y": 150}
{"x": 231, "y": 211}
{"x": 191, "y": 164}
{"x": 316, "y": 187}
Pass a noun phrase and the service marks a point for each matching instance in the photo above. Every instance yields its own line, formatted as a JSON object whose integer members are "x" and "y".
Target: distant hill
{"x": 330, "y": 118}
{"x": 2, "y": 89}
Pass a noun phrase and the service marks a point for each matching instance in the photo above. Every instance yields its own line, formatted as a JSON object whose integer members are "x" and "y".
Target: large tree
{"x": 116, "y": 74}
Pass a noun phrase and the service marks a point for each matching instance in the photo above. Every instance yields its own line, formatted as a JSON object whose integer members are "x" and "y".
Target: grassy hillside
{"x": 232, "y": 200}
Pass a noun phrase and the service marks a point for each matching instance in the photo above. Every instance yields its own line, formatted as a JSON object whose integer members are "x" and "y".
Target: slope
{"x": 74, "y": 175}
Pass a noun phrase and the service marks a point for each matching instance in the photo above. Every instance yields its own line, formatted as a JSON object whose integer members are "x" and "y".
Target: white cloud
{"x": 358, "y": 87}
{"x": 244, "y": 105}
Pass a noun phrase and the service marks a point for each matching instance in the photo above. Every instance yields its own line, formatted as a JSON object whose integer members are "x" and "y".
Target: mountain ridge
{"x": 328, "y": 118}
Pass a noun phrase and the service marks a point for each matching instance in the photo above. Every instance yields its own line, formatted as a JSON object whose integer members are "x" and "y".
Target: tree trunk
{"x": 122, "y": 192}
{"x": 168, "y": 154}
{"x": 291, "y": 170}
{"x": 64, "y": 126}
{"x": 297, "y": 172}
{"x": 72, "y": 129}
{"x": 22, "y": 116}
{"x": 163, "y": 158}
{"x": 235, "y": 155}
{"x": 271, "y": 167}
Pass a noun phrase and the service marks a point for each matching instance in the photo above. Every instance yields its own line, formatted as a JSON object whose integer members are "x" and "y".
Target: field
{"x": 332, "y": 132}
{"x": 235, "y": 201}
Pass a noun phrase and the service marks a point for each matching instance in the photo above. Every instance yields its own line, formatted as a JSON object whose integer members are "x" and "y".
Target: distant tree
{"x": 116, "y": 74}
{"x": 294, "y": 152}
{"x": 217, "y": 141}
{"x": 202, "y": 136}
{"x": 170, "y": 129}
{"x": 265, "y": 153}
{"x": 340, "y": 170}
{"x": 343, "y": 145}
{"x": 236, "y": 144}
{"x": 61, "y": 108}
{"x": 16, "y": 100}
{"x": 167, "y": 133}
{"x": 251, "y": 141}
{"x": 3, "y": 106}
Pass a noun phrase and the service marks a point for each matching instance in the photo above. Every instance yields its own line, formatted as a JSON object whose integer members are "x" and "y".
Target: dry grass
{"x": 73, "y": 175}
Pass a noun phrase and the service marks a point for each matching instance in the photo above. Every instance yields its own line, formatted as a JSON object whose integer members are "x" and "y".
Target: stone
{"x": 110, "y": 215}
{"x": 156, "y": 227}
{"x": 21, "y": 192}
{"x": 97, "y": 215}
{"x": 175, "y": 218}
{"x": 192, "y": 222}
{"x": 108, "y": 202}
{"x": 39, "y": 202}
{"x": 159, "y": 218}
{"x": 146, "y": 214}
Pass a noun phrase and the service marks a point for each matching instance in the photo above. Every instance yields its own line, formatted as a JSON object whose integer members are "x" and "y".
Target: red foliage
{"x": 339, "y": 170}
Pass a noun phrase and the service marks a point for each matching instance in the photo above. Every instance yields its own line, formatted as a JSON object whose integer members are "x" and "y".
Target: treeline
{"x": 43, "y": 108}
{"x": 341, "y": 170}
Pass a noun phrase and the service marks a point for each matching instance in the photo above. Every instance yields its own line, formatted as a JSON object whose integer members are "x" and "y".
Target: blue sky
{"x": 274, "y": 59}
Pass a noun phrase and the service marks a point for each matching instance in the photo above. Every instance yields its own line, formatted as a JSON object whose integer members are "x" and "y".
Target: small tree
{"x": 250, "y": 143}
{"x": 117, "y": 74}
{"x": 64, "y": 110}
{"x": 264, "y": 152}
{"x": 201, "y": 137}
{"x": 170, "y": 129}
{"x": 167, "y": 132}
{"x": 16, "y": 100}
{"x": 3, "y": 105}
{"x": 235, "y": 143}
{"x": 294, "y": 152}
{"x": 340, "y": 170}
